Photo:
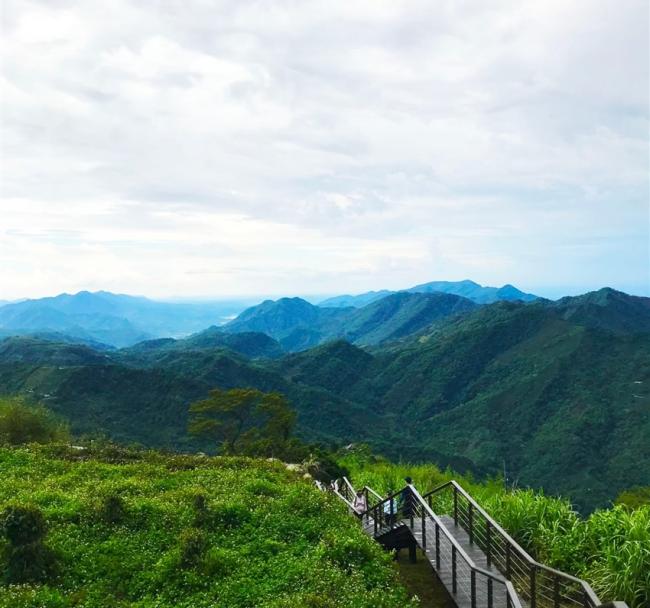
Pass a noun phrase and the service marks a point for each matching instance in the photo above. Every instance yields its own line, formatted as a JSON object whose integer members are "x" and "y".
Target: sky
{"x": 203, "y": 148}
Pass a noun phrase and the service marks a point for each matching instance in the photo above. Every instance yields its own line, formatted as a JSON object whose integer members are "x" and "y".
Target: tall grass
{"x": 610, "y": 549}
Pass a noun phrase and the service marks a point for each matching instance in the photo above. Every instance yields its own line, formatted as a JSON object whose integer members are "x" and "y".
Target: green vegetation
{"x": 20, "y": 424}
{"x": 244, "y": 421}
{"x": 128, "y": 528}
{"x": 557, "y": 392}
{"x": 610, "y": 549}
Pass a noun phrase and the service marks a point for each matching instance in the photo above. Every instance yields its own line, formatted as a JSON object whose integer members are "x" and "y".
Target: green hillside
{"x": 555, "y": 393}
{"x": 144, "y": 530}
{"x": 298, "y": 325}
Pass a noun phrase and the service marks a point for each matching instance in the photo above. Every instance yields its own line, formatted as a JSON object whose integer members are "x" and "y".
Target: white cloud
{"x": 323, "y": 146}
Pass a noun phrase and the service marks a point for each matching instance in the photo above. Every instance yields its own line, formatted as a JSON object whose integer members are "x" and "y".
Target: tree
{"x": 243, "y": 421}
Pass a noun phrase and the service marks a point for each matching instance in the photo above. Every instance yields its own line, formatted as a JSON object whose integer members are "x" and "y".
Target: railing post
{"x": 473, "y": 588}
{"x": 488, "y": 542}
{"x": 437, "y": 546}
{"x": 455, "y": 506}
{"x": 392, "y": 513}
{"x": 491, "y": 594}
{"x": 533, "y": 586}
{"x": 424, "y": 529}
{"x": 375, "y": 518}
{"x": 556, "y": 591}
{"x": 453, "y": 569}
{"x": 508, "y": 565}
{"x": 471, "y": 523}
{"x": 411, "y": 506}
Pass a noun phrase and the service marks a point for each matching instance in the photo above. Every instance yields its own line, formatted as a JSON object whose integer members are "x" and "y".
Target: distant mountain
{"x": 118, "y": 320}
{"x": 468, "y": 289}
{"x": 44, "y": 352}
{"x": 298, "y": 325}
{"x": 293, "y": 322}
{"x": 475, "y": 292}
{"x": 251, "y": 344}
{"x": 356, "y": 301}
{"x": 608, "y": 309}
{"x": 400, "y": 314}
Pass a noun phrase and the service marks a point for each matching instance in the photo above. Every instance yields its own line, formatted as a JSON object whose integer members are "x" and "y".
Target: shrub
{"x": 192, "y": 547}
{"x": 112, "y": 509}
{"x": 231, "y": 515}
{"x": 20, "y": 424}
{"x": 22, "y": 525}
{"x": 27, "y": 558}
{"x": 201, "y": 513}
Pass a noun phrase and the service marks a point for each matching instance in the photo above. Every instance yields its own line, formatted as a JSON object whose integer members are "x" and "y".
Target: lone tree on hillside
{"x": 243, "y": 421}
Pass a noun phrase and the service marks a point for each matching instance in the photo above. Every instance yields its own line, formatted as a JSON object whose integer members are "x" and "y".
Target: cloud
{"x": 324, "y": 146}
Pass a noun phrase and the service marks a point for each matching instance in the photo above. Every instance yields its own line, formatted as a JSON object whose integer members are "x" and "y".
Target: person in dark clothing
{"x": 407, "y": 500}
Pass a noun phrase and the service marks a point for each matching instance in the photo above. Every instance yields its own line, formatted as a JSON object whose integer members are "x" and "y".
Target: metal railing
{"x": 455, "y": 567}
{"x": 538, "y": 585}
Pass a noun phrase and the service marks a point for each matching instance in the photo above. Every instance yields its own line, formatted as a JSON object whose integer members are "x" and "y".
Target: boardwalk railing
{"x": 538, "y": 585}
{"x": 470, "y": 584}
{"x": 514, "y": 578}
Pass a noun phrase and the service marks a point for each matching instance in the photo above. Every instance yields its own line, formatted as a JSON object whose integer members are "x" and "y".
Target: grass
{"x": 147, "y": 530}
{"x": 420, "y": 579}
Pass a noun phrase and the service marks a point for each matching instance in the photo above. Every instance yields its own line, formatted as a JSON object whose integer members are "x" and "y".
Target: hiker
{"x": 360, "y": 504}
{"x": 407, "y": 500}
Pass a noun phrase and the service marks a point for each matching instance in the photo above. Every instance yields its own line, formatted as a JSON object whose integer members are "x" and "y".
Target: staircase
{"x": 478, "y": 563}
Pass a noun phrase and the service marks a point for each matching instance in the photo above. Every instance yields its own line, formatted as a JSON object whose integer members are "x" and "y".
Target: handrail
{"x": 482, "y": 511}
{"x": 530, "y": 578}
{"x": 511, "y": 594}
{"x": 459, "y": 548}
{"x": 589, "y": 593}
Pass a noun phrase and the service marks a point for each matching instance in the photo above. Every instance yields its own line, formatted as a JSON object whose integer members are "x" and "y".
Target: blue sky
{"x": 229, "y": 148}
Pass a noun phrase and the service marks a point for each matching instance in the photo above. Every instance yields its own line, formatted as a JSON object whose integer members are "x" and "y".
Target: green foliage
{"x": 199, "y": 532}
{"x": 20, "y": 423}
{"x": 112, "y": 509}
{"x": 610, "y": 549}
{"x": 192, "y": 547}
{"x": 634, "y": 497}
{"x": 25, "y": 556}
{"x": 22, "y": 525}
{"x": 243, "y": 421}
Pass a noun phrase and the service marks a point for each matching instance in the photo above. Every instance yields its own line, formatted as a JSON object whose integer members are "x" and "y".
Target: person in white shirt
{"x": 360, "y": 504}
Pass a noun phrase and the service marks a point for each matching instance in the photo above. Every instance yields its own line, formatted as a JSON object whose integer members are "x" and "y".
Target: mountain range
{"x": 557, "y": 393}
{"x": 468, "y": 289}
{"x": 121, "y": 320}
{"x": 298, "y": 325}
{"x": 114, "y": 319}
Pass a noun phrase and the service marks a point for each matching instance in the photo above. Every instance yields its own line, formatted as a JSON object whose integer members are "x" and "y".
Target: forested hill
{"x": 557, "y": 392}
{"x": 298, "y": 325}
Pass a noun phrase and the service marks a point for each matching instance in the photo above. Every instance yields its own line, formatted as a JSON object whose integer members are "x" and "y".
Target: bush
{"x": 27, "y": 558}
{"x": 22, "y": 525}
{"x": 192, "y": 547}
{"x": 20, "y": 424}
{"x": 112, "y": 509}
